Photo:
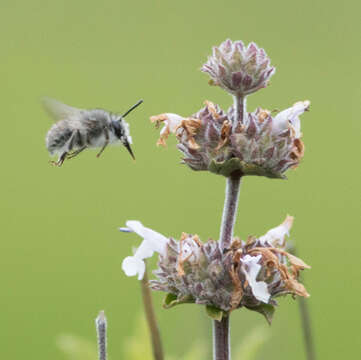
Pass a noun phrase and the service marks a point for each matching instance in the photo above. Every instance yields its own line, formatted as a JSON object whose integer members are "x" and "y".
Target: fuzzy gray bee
{"x": 78, "y": 129}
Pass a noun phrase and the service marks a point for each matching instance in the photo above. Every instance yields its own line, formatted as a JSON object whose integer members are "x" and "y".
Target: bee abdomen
{"x": 57, "y": 137}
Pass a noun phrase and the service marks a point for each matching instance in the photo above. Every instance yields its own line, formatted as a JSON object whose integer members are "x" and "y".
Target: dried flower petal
{"x": 276, "y": 236}
{"x": 261, "y": 145}
{"x": 170, "y": 121}
{"x": 246, "y": 275}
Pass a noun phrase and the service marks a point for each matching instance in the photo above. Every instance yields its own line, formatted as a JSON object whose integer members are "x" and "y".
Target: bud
{"x": 239, "y": 69}
{"x": 259, "y": 144}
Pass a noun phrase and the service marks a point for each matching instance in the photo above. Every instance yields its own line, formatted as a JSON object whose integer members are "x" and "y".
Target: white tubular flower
{"x": 170, "y": 121}
{"x": 251, "y": 269}
{"x": 289, "y": 118}
{"x": 276, "y": 236}
{"x": 153, "y": 242}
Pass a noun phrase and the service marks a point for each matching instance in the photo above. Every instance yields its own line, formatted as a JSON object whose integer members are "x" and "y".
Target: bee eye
{"x": 117, "y": 129}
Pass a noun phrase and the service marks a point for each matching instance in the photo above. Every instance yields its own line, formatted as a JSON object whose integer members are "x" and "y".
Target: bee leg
{"x": 75, "y": 137}
{"x": 106, "y": 134}
{"x": 60, "y": 160}
{"x": 69, "y": 147}
{"x": 75, "y": 153}
{"x": 72, "y": 139}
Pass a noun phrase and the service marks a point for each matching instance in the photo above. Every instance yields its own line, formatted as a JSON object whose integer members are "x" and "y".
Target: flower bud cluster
{"x": 247, "y": 274}
{"x": 239, "y": 69}
{"x": 260, "y": 144}
{"x": 223, "y": 142}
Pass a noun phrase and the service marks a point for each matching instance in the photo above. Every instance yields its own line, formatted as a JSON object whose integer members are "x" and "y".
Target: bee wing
{"x": 59, "y": 111}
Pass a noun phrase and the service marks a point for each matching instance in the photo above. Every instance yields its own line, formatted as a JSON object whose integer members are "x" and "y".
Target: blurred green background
{"x": 60, "y": 248}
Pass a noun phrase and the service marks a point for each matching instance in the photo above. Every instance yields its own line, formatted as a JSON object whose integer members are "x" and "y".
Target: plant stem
{"x": 221, "y": 339}
{"x": 151, "y": 319}
{"x": 233, "y": 182}
{"x": 229, "y": 210}
{"x": 239, "y": 104}
{"x": 101, "y": 327}
{"x": 221, "y": 330}
{"x": 306, "y": 327}
{"x": 305, "y": 321}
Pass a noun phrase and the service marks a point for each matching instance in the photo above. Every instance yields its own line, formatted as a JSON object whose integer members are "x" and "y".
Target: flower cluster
{"x": 230, "y": 273}
{"x": 239, "y": 69}
{"x": 261, "y": 144}
{"x": 222, "y": 142}
{"x": 249, "y": 274}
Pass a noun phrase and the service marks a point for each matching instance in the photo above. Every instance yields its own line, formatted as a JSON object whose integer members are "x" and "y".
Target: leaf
{"x": 227, "y": 167}
{"x": 214, "y": 313}
{"x": 267, "y": 310}
{"x": 172, "y": 300}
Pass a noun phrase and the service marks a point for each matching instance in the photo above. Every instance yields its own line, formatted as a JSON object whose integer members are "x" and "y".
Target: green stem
{"x": 151, "y": 319}
{"x": 306, "y": 327}
{"x": 305, "y": 321}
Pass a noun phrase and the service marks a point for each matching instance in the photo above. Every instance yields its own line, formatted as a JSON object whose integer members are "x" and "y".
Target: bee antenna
{"x": 132, "y": 108}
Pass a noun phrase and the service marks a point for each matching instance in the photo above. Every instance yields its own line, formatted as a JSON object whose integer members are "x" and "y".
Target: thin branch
{"x": 151, "y": 319}
{"x": 307, "y": 328}
{"x": 305, "y": 320}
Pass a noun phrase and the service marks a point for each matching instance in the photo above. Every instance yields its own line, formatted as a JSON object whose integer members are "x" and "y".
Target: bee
{"x": 76, "y": 130}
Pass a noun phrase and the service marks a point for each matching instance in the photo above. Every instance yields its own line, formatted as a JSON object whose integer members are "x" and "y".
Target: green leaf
{"x": 267, "y": 310}
{"x": 214, "y": 313}
{"x": 227, "y": 167}
{"x": 172, "y": 300}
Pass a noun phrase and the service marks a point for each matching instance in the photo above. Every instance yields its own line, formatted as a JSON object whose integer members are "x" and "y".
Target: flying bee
{"x": 76, "y": 130}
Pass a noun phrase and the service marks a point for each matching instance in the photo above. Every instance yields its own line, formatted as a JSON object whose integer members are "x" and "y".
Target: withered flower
{"x": 260, "y": 144}
{"x": 250, "y": 274}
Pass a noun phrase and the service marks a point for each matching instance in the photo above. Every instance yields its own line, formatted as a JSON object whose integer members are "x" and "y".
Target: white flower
{"x": 289, "y": 118}
{"x": 251, "y": 269}
{"x": 153, "y": 242}
{"x": 170, "y": 124}
{"x": 276, "y": 236}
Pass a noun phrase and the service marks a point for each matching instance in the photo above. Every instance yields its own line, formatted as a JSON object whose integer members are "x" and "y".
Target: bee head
{"x": 121, "y": 131}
